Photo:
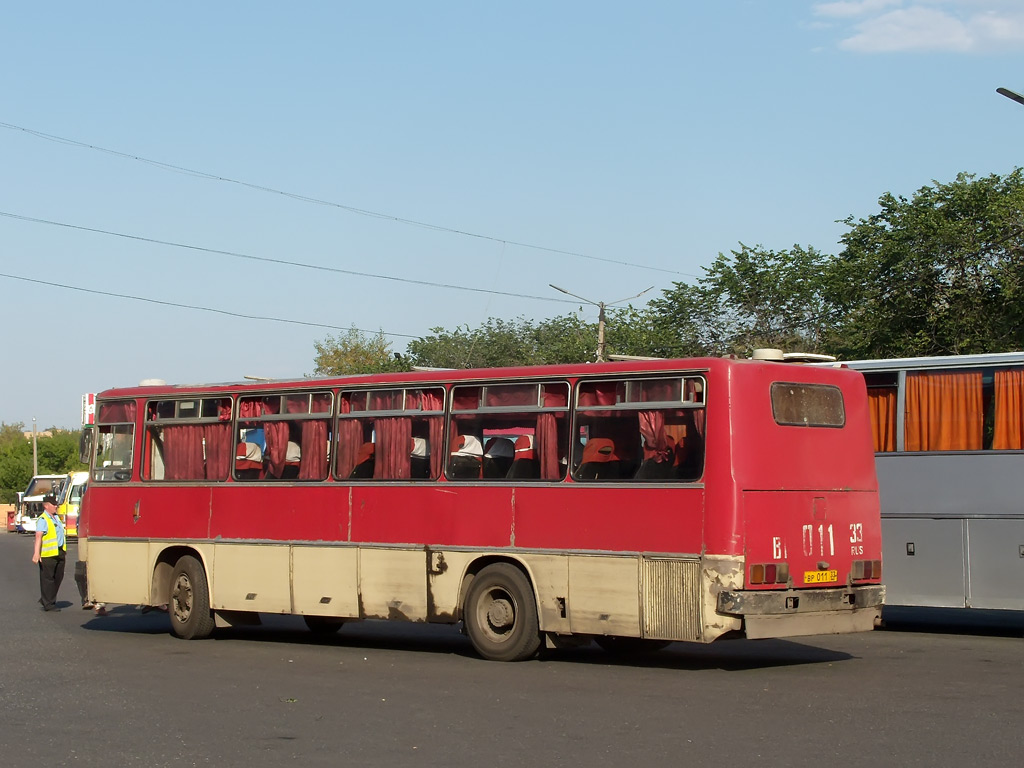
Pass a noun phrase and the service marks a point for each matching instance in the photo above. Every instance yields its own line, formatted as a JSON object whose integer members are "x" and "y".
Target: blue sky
{"x": 602, "y": 147}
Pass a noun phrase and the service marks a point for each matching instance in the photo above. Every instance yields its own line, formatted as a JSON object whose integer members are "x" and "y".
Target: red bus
{"x": 633, "y": 503}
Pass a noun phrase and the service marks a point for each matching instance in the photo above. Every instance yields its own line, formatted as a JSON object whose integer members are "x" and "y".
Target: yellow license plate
{"x": 821, "y": 577}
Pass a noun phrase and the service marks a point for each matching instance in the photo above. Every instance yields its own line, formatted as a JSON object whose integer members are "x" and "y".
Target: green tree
{"x": 941, "y": 273}
{"x": 15, "y": 462}
{"x": 496, "y": 343}
{"x": 750, "y": 298}
{"x": 355, "y": 352}
{"x": 561, "y": 339}
{"x": 58, "y": 453}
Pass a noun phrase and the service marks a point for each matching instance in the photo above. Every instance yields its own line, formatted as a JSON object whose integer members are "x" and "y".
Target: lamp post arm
{"x": 1012, "y": 95}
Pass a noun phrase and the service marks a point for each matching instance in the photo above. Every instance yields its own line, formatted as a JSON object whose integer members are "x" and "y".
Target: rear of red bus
{"x": 808, "y": 530}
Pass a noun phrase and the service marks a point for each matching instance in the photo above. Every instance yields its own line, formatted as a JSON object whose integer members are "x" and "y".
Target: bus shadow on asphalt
{"x": 127, "y": 619}
{"x": 728, "y": 655}
{"x": 953, "y": 621}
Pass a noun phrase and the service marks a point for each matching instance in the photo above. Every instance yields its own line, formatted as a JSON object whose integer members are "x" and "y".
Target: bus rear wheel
{"x": 500, "y": 614}
{"x": 323, "y": 625}
{"x": 189, "y": 600}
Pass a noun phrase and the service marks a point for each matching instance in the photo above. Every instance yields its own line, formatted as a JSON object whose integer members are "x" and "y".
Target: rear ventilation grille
{"x": 671, "y": 599}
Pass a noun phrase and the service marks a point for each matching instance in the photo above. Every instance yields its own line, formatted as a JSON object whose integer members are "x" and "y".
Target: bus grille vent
{"x": 671, "y": 599}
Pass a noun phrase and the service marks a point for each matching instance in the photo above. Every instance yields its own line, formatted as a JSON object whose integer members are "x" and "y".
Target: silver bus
{"x": 949, "y": 443}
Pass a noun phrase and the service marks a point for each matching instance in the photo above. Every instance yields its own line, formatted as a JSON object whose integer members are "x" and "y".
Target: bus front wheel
{"x": 189, "y": 603}
{"x": 501, "y": 614}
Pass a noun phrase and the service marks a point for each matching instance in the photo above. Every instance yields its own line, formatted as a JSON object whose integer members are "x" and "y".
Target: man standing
{"x": 50, "y": 552}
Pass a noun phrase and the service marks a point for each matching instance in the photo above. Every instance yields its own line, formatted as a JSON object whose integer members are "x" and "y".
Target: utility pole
{"x": 35, "y": 451}
{"x": 600, "y": 314}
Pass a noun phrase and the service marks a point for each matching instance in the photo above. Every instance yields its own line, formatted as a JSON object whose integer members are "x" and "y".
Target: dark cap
{"x": 50, "y": 499}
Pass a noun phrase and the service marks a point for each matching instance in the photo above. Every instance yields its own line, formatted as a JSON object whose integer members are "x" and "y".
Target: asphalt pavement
{"x": 119, "y": 690}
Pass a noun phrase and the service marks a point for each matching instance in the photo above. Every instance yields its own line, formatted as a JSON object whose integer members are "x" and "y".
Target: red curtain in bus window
{"x": 545, "y": 445}
{"x": 315, "y": 453}
{"x": 350, "y": 438}
{"x": 393, "y": 436}
{"x": 944, "y": 411}
{"x": 111, "y": 413}
{"x": 218, "y": 450}
{"x": 695, "y": 393}
{"x": 250, "y": 408}
{"x": 556, "y": 396}
{"x": 1009, "y": 411}
{"x": 313, "y": 462}
{"x": 276, "y": 433}
{"x": 183, "y": 452}
{"x": 882, "y": 404}
{"x": 599, "y": 393}
{"x": 435, "y": 425}
{"x": 652, "y": 428}
{"x": 434, "y": 401}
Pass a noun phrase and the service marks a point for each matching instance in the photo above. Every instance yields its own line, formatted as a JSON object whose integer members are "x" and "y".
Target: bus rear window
{"x": 807, "y": 405}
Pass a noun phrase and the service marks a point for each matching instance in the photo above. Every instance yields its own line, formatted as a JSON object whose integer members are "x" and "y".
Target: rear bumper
{"x": 793, "y": 612}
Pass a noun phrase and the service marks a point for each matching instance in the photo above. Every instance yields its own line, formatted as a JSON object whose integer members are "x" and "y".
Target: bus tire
{"x": 189, "y": 600}
{"x": 630, "y": 646}
{"x": 323, "y": 625}
{"x": 500, "y": 614}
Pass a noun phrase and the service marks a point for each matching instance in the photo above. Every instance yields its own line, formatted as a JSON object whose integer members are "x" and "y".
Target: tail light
{"x": 863, "y": 570}
{"x": 769, "y": 573}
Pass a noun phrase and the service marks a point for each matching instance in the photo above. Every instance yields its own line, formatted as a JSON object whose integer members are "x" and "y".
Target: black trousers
{"x": 51, "y": 574}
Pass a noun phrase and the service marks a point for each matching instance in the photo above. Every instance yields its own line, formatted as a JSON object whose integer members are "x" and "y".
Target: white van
{"x": 30, "y": 503}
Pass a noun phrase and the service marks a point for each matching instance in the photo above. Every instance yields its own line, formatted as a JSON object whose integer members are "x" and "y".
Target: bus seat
{"x": 364, "y": 463}
{"x": 292, "y": 460}
{"x": 524, "y": 465}
{"x": 248, "y": 461}
{"x": 419, "y": 458}
{"x": 652, "y": 469}
{"x": 599, "y": 461}
{"x": 465, "y": 463}
{"x": 499, "y": 453}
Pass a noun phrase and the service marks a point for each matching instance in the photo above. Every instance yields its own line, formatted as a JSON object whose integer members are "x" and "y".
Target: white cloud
{"x": 913, "y": 29}
{"x": 957, "y": 26}
{"x": 849, "y": 8}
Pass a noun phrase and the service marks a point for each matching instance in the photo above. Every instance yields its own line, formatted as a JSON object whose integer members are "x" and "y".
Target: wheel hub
{"x": 500, "y": 613}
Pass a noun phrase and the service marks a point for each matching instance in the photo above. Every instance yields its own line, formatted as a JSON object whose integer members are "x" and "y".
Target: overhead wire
{"x": 53, "y": 284}
{"x": 286, "y": 262}
{"x": 329, "y": 203}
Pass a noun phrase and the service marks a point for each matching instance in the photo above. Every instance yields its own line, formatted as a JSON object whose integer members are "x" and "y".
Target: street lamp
{"x": 1013, "y": 95}
{"x": 600, "y": 314}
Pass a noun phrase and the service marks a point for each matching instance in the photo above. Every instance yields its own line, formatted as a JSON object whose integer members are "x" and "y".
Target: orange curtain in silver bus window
{"x": 882, "y": 404}
{"x": 944, "y": 411}
{"x": 1009, "y": 411}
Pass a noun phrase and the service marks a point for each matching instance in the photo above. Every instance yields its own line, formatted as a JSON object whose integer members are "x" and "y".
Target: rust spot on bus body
{"x": 437, "y": 566}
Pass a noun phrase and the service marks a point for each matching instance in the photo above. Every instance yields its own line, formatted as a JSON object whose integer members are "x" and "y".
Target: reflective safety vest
{"x": 49, "y": 546}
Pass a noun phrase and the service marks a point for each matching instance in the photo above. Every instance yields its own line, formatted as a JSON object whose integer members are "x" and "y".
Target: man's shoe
{"x": 49, "y": 608}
